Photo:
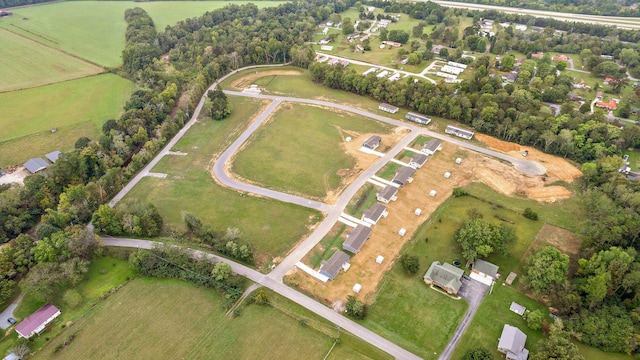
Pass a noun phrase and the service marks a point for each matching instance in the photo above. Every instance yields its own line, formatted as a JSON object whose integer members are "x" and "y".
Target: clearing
{"x": 302, "y": 150}
{"x": 76, "y": 108}
{"x": 190, "y": 187}
{"x": 25, "y": 63}
{"x": 95, "y": 30}
{"x": 563, "y": 240}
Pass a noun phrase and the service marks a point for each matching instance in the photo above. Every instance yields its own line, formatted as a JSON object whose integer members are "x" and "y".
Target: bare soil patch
{"x": 562, "y": 239}
{"x": 248, "y": 79}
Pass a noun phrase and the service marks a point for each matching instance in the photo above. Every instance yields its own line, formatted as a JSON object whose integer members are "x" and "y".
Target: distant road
{"x": 631, "y": 23}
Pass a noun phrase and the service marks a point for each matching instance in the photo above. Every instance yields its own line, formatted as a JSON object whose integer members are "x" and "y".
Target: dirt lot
{"x": 562, "y": 239}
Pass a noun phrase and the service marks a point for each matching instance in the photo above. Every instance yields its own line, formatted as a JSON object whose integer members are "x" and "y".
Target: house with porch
{"x": 484, "y": 272}
{"x": 431, "y": 146}
{"x": 417, "y": 160}
{"x": 356, "y": 239}
{"x": 36, "y": 323}
{"x": 331, "y": 267}
{"x": 387, "y": 194}
{"x": 373, "y": 214}
{"x": 372, "y": 142}
{"x": 404, "y": 175}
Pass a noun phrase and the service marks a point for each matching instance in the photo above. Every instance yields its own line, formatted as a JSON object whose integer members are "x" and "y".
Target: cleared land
{"x": 302, "y": 150}
{"x": 272, "y": 227}
{"x": 76, "y": 108}
{"x": 94, "y": 30}
{"x": 27, "y": 64}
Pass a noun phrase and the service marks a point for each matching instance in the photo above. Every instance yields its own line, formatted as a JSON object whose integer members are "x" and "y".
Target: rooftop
{"x": 486, "y": 267}
{"x": 375, "y": 211}
{"x": 357, "y": 238}
{"x": 388, "y": 192}
{"x": 333, "y": 265}
{"x": 35, "y": 320}
{"x": 36, "y": 164}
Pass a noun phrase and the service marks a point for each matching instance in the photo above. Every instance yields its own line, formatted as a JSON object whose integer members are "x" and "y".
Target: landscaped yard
{"x": 271, "y": 226}
{"x": 300, "y": 150}
{"x": 76, "y": 108}
{"x": 27, "y": 64}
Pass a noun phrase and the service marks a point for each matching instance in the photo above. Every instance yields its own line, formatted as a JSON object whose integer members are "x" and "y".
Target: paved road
{"x": 621, "y": 22}
{"x": 291, "y": 294}
{"x": 8, "y": 312}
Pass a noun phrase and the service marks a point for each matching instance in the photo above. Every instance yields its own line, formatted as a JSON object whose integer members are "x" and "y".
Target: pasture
{"x": 272, "y": 227}
{"x": 76, "y": 108}
{"x": 33, "y": 65}
{"x": 94, "y": 30}
{"x": 301, "y": 150}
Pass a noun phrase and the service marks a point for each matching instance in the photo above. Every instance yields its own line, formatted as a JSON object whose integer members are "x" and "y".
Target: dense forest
{"x": 591, "y": 7}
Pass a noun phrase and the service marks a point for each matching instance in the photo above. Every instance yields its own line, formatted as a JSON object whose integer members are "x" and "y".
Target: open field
{"x": 77, "y": 107}
{"x": 27, "y": 64}
{"x": 302, "y": 150}
{"x": 190, "y": 187}
{"x": 94, "y": 30}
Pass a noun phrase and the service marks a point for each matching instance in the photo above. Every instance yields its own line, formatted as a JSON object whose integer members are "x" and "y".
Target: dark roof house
{"x": 404, "y": 175}
{"x": 417, "y": 160}
{"x": 330, "y": 268}
{"x": 420, "y": 119}
{"x": 431, "y": 146}
{"x": 387, "y": 194}
{"x": 36, "y": 164}
{"x": 484, "y": 271}
{"x": 512, "y": 342}
{"x": 445, "y": 276}
{"x": 36, "y": 322}
{"x": 356, "y": 238}
{"x": 374, "y": 213}
{"x": 53, "y": 156}
{"x": 372, "y": 142}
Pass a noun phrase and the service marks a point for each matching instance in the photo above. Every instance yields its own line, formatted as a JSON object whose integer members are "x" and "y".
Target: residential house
{"x": 353, "y": 37}
{"x": 512, "y": 342}
{"x": 539, "y": 55}
{"x": 521, "y": 27}
{"x": 394, "y": 77}
{"x": 562, "y": 57}
{"x": 484, "y": 272}
{"x": 454, "y": 130}
{"x": 36, "y": 164}
{"x": 344, "y": 63}
{"x": 338, "y": 261}
{"x": 404, "y": 175}
{"x": 607, "y": 57}
{"x": 600, "y": 95}
{"x": 359, "y": 48}
{"x": 611, "y": 105}
{"x": 373, "y": 214}
{"x": 392, "y": 43}
{"x": 420, "y": 119}
{"x": 380, "y": 75}
{"x": 387, "y": 194}
{"x": 417, "y": 160}
{"x": 510, "y": 77}
{"x": 324, "y": 41}
{"x": 35, "y": 323}
{"x": 325, "y": 31}
{"x": 445, "y": 276}
{"x": 372, "y": 142}
{"x": 369, "y": 71}
{"x": 356, "y": 239}
{"x": 431, "y": 146}
{"x": 333, "y": 61}
{"x": 388, "y": 108}
{"x": 456, "y": 64}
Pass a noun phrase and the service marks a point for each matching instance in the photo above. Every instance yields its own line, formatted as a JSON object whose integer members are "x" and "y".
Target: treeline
{"x": 590, "y": 7}
{"x": 13, "y": 3}
{"x": 512, "y": 112}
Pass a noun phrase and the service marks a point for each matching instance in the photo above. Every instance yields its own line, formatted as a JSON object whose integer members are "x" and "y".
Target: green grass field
{"x": 94, "y": 30}
{"x": 33, "y": 64}
{"x": 190, "y": 187}
{"x": 76, "y": 108}
{"x": 300, "y": 150}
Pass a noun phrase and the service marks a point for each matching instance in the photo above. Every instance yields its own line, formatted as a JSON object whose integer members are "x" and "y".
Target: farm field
{"x": 190, "y": 187}
{"x": 31, "y": 64}
{"x": 76, "y": 107}
{"x": 281, "y": 156}
{"x": 95, "y": 30}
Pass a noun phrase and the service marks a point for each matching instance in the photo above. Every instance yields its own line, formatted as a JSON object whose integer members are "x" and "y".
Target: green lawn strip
{"x": 591, "y": 353}
{"x": 95, "y": 98}
{"x": 330, "y": 244}
{"x": 389, "y": 170}
{"x": 96, "y": 30}
{"x": 190, "y": 187}
{"x": 634, "y": 159}
{"x": 420, "y": 141}
{"x": 405, "y": 155}
{"x": 486, "y": 326}
{"x": 28, "y": 64}
{"x": 363, "y": 200}
{"x": 300, "y": 150}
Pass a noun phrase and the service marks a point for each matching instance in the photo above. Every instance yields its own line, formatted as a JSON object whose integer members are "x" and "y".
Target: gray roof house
{"x": 484, "y": 271}
{"x": 512, "y": 342}
{"x": 356, "y": 238}
{"x": 387, "y": 194}
{"x": 330, "y": 268}
{"x": 431, "y": 146}
{"x": 375, "y": 213}
{"x": 388, "y": 108}
{"x": 445, "y": 276}
{"x": 372, "y": 142}
{"x": 36, "y": 164}
{"x": 417, "y": 160}
{"x": 404, "y": 175}
{"x": 53, "y": 156}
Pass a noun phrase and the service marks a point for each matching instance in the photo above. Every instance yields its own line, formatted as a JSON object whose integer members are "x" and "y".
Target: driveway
{"x": 8, "y": 312}
{"x": 473, "y": 292}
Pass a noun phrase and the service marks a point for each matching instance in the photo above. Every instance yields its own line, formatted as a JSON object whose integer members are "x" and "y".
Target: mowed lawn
{"x": 26, "y": 64}
{"x": 272, "y": 227}
{"x": 300, "y": 150}
{"x": 95, "y": 30}
{"x": 76, "y": 108}
{"x": 152, "y": 318}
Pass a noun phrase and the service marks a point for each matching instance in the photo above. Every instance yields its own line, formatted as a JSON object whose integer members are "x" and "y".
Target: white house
{"x": 512, "y": 342}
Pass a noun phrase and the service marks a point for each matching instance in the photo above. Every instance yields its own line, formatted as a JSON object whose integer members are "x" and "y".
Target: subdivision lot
{"x": 270, "y": 226}
{"x": 302, "y": 150}
{"x": 25, "y": 63}
{"x": 95, "y": 31}
{"x": 76, "y": 107}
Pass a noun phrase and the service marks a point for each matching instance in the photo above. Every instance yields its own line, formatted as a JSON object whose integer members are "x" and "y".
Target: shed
{"x": 356, "y": 239}
{"x": 432, "y": 193}
{"x": 37, "y": 322}
{"x": 417, "y": 160}
{"x": 36, "y": 164}
{"x": 445, "y": 276}
{"x": 379, "y": 259}
{"x": 404, "y": 175}
{"x": 512, "y": 343}
{"x": 372, "y": 142}
{"x": 388, "y": 108}
{"x": 402, "y": 232}
{"x": 331, "y": 267}
{"x": 53, "y": 156}
{"x": 12, "y": 356}
{"x": 458, "y": 161}
{"x": 418, "y": 212}
{"x": 375, "y": 213}
{"x": 431, "y": 146}
{"x": 510, "y": 278}
{"x": 356, "y": 288}
{"x": 517, "y": 308}
{"x": 387, "y": 194}
{"x": 447, "y": 175}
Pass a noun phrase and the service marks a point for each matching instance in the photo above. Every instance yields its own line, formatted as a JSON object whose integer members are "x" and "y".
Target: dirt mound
{"x": 549, "y": 193}
{"x": 496, "y": 144}
{"x": 496, "y": 181}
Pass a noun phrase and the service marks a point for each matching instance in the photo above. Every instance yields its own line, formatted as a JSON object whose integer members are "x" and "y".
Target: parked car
{"x": 11, "y": 320}
{"x": 525, "y": 153}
